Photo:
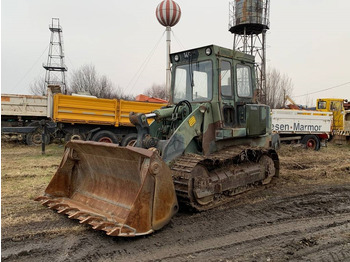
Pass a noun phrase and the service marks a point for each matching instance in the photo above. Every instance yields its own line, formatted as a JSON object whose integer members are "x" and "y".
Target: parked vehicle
{"x": 308, "y": 127}
{"x": 71, "y": 117}
{"x": 341, "y": 117}
{"x": 21, "y": 116}
{"x": 212, "y": 143}
{"x": 313, "y": 128}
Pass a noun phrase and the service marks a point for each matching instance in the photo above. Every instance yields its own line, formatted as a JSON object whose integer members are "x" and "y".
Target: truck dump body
{"x": 23, "y": 105}
{"x": 90, "y": 110}
{"x": 301, "y": 122}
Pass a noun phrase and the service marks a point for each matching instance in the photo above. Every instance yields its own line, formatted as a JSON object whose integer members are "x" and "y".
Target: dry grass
{"x": 329, "y": 165}
{"x": 25, "y": 173}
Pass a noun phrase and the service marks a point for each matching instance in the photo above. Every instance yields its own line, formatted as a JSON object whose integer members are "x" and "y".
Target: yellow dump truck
{"x": 98, "y": 119}
{"x": 76, "y": 117}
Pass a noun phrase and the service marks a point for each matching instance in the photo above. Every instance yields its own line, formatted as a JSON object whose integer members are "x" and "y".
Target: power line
{"x": 143, "y": 66}
{"x": 70, "y": 61}
{"x": 324, "y": 89}
{"x": 177, "y": 40}
{"x": 25, "y": 75}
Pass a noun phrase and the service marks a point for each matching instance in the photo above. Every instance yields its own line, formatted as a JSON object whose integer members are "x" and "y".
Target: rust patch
{"x": 209, "y": 137}
{"x": 5, "y": 99}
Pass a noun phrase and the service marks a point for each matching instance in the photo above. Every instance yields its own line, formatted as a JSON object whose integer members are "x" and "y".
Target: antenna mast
{"x": 55, "y": 66}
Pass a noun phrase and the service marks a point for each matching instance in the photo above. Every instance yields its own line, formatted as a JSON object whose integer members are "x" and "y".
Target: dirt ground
{"x": 303, "y": 216}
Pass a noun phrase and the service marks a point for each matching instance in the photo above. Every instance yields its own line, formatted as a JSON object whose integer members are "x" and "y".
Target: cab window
{"x": 193, "y": 82}
{"x": 244, "y": 81}
{"x": 225, "y": 73}
{"x": 336, "y": 106}
{"x": 322, "y": 105}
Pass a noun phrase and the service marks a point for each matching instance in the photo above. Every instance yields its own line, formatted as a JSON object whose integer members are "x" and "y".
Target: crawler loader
{"x": 212, "y": 142}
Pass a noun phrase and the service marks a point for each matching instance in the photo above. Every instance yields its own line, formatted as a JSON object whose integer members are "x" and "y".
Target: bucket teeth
{"x": 114, "y": 232}
{"x": 96, "y": 222}
{"x": 58, "y": 206}
{"x": 91, "y": 220}
{"x": 48, "y": 202}
{"x": 103, "y": 225}
{"x": 67, "y": 210}
{"x": 78, "y": 215}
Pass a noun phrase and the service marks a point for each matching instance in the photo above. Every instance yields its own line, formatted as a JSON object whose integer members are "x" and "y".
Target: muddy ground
{"x": 303, "y": 216}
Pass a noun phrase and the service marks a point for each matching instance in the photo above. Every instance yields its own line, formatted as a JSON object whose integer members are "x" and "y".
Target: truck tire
{"x": 68, "y": 137}
{"x": 105, "y": 136}
{"x": 35, "y": 138}
{"x": 129, "y": 140}
{"x": 311, "y": 142}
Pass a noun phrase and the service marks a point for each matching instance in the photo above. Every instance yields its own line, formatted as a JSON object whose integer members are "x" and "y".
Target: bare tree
{"x": 158, "y": 91}
{"x": 84, "y": 80}
{"x": 87, "y": 80}
{"x": 103, "y": 88}
{"x": 38, "y": 86}
{"x": 119, "y": 94}
{"x": 278, "y": 86}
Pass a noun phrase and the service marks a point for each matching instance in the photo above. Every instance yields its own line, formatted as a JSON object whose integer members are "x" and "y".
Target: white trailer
{"x": 311, "y": 128}
{"x": 23, "y": 106}
{"x": 21, "y": 115}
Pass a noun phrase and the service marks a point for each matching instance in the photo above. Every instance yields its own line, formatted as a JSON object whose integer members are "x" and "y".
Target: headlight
{"x": 177, "y": 58}
{"x": 208, "y": 51}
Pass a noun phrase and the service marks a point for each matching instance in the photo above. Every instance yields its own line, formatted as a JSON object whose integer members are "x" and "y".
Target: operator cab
{"x": 225, "y": 79}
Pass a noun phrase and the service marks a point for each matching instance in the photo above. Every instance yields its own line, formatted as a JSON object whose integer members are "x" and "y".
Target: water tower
{"x": 249, "y": 22}
{"x": 168, "y": 13}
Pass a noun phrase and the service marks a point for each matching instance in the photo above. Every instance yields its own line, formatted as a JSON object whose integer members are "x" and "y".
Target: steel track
{"x": 241, "y": 158}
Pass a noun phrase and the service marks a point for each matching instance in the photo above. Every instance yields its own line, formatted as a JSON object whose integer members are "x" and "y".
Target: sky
{"x": 308, "y": 41}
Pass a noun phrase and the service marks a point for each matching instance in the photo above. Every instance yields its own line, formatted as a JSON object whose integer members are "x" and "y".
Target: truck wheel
{"x": 129, "y": 140}
{"x": 311, "y": 142}
{"x": 68, "y": 137}
{"x": 105, "y": 136}
{"x": 35, "y": 138}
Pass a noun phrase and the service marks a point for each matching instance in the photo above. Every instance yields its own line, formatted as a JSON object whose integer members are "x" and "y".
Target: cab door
{"x": 338, "y": 114}
{"x": 227, "y": 94}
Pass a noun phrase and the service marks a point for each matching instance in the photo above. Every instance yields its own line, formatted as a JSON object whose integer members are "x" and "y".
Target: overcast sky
{"x": 308, "y": 40}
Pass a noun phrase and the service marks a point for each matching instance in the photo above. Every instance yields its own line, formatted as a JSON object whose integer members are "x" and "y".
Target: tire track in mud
{"x": 229, "y": 241}
{"x": 302, "y": 225}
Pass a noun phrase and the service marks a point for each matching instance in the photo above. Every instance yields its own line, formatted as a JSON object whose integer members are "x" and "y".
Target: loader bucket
{"x": 125, "y": 191}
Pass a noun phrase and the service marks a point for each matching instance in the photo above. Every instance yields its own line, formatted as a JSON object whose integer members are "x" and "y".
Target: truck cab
{"x": 333, "y": 105}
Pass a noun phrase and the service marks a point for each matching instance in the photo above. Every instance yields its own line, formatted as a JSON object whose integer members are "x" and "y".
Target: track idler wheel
{"x": 268, "y": 166}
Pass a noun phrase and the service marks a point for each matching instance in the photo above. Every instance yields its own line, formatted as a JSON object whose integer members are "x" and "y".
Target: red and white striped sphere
{"x": 168, "y": 13}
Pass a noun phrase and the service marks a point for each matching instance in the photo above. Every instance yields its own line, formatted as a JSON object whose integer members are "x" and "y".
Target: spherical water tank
{"x": 168, "y": 13}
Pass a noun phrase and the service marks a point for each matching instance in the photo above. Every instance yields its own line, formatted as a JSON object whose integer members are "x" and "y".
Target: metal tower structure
{"x": 55, "y": 66}
{"x": 249, "y": 22}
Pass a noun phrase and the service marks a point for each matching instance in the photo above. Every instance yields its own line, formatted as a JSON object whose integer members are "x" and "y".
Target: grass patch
{"x": 25, "y": 173}
{"x": 329, "y": 165}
